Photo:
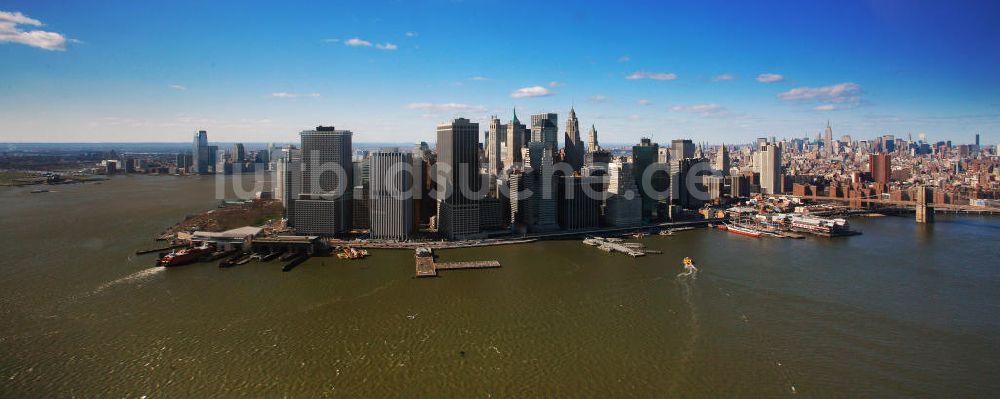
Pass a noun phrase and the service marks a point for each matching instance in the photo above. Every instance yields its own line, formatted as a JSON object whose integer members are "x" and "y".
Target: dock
{"x": 165, "y": 248}
{"x": 427, "y": 267}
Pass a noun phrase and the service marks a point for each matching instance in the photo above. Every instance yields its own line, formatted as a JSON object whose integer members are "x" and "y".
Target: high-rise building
{"x": 880, "y": 168}
{"x": 770, "y": 169}
{"x": 645, "y": 155}
{"x": 573, "y": 145}
{"x": 324, "y": 204}
{"x": 545, "y": 130}
{"x": 496, "y": 137}
{"x": 239, "y": 153}
{"x": 458, "y": 178}
{"x": 288, "y": 180}
{"x": 516, "y": 132}
{"x": 721, "y": 163}
{"x": 828, "y": 139}
{"x": 623, "y": 206}
{"x": 681, "y": 149}
{"x": 592, "y": 144}
{"x": 687, "y": 187}
{"x": 391, "y": 202}
{"x": 201, "y": 156}
{"x": 579, "y": 206}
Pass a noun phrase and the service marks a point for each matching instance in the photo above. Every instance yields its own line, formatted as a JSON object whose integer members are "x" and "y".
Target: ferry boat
{"x": 821, "y": 226}
{"x": 184, "y": 256}
{"x": 742, "y": 230}
{"x": 351, "y": 253}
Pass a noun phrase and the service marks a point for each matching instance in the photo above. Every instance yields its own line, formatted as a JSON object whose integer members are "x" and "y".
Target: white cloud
{"x": 624, "y": 59}
{"x": 770, "y": 78}
{"x": 178, "y": 87}
{"x": 445, "y": 107}
{"x": 479, "y": 78}
{"x": 841, "y": 93}
{"x": 825, "y": 107}
{"x": 11, "y": 33}
{"x": 554, "y": 84}
{"x": 285, "y": 94}
{"x": 637, "y": 75}
{"x": 700, "y": 109}
{"x": 411, "y": 34}
{"x": 386, "y": 46}
{"x": 533, "y": 91}
{"x": 599, "y": 99}
{"x": 645, "y": 102}
{"x": 724, "y": 77}
{"x": 357, "y": 42}
{"x": 331, "y": 40}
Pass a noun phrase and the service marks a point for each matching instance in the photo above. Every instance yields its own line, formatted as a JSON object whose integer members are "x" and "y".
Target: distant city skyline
{"x": 717, "y": 73}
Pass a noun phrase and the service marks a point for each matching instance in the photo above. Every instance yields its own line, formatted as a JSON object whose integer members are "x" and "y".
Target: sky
{"x": 712, "y": 71}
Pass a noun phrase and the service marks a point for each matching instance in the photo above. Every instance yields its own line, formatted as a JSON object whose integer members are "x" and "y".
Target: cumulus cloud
{"x": 358, "y": 42}
{"x": 725, "y": 77}
{"x": 533, "y": 91}
{"x": 479, "y": 78}
{"x": 178, "y": 87}
{"x": 825, "y": 107}
{"x": 645, "y": 102}
{"x": 842, "y": 93}
{"x": 445, "y": 107}
{"x": 10, "y": 32}
{"x": 385, "y": 46}
{"x": 700, "y": 109}
{"x": 770, "y": 78}
{"x": 600, "y": 99}
{"x": 285, "y": 94}
{"x": 637, "y": 75}
{"x": 411, "y": 34}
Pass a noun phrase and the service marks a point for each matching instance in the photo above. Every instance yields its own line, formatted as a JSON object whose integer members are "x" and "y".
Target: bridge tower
{"x": 925, "y": 212}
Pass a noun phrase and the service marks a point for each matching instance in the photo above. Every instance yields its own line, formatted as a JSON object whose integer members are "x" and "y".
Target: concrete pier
{"x": 427, "y": 267}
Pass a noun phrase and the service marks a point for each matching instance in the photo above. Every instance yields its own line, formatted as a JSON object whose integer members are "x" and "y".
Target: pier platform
{"x": 427, "y": 267}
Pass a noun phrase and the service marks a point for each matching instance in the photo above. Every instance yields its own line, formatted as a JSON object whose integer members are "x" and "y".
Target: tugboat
{"x": 184, "y": 256}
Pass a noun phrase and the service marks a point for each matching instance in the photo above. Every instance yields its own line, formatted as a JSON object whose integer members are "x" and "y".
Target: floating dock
{"x": 427, "y": 267}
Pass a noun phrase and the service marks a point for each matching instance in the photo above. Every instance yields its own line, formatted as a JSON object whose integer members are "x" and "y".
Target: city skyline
{"x": 725, "y": 74}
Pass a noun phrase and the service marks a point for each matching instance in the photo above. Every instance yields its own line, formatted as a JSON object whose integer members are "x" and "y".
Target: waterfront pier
{"x": 427, "y": 267}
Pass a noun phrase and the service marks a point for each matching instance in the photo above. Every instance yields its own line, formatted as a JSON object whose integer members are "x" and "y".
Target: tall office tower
{"x": 644, "y": 155}
{"x": 496, "y": 137}
{"x": 534, "y": 202}
{"x": 714, "y": 184}
{"x": 515, "y": 141}
{"x": 880, "y": 168}
{"x": 545, "y": 129}
{"x": 663, "y": 155}
{"x": 739, "y": 186}
{"x": 721, "y": 163}
{"x": 977, "y": 141}
{"x": 579, "y": 205}
{"x": 360, "y": 217}
{"x": 681, "y": 149}
{"x": 687, "y": 187}
{"x": 324, "y": 205}
{"x": 288, "y": 180}
{"x": 239, "y": 153}
{"x": 828, "y": 139}
{"x": 770, "y": 169}
{"x": 424, "y": 206}
{"x": 623, "y": 206}
{"x": 458, "y": 178}
{"x": 391, "y": 200}
{"x": 200, "y": 154}
{"x": 572, "y": 143}
{"x": 592, "y": 144}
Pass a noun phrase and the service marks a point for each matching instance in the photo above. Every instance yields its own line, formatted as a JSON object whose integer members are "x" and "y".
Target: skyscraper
{"x": 391, "y": 202}
{"x": 623, "y": 206}
{"x": 324, "y": 205}
{"x": 572, "y": 143}
{"x": 288, "y": 180}
{"x": 721, "y": 163}
{"x": 200, "y": 157}
{"x": 496, "y": 137}
{"x": 239, "y": 153}
{"x": 770, "y": 169}
{"x": 880, "y": 168}
{"x": 828, "y": 139}
{"x": 458, "y": 178}
{"x": 592, "y": 144}
{"x": 645, "y": 155}
{"x": 681, "y": 149}
{"x": 515, "y": 141}
{"x": 545, "y": 130}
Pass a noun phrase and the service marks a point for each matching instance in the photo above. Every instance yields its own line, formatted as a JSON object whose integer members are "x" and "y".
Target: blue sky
{"x": 389, "y": 71}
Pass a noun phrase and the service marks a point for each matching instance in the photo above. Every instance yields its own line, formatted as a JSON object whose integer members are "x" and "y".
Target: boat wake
{"x": 690, "y": 271}
{"x": 138, "y": 276}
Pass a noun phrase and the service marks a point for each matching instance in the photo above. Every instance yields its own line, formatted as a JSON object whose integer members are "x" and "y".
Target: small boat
{"x": 39, "y": 191}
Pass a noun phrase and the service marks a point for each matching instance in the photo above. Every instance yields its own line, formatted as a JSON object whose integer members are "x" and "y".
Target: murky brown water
{"x": 901, "y": 311}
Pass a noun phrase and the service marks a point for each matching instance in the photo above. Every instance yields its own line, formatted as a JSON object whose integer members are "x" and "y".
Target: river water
{"x": 901, "y": 311}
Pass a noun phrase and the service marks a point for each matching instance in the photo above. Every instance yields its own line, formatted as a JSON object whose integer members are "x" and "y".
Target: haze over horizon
{"x": 390, "y": 71}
